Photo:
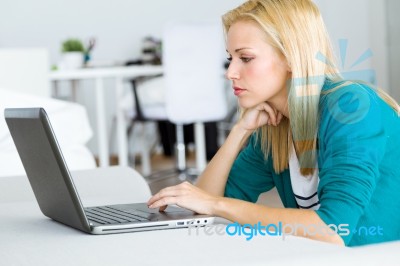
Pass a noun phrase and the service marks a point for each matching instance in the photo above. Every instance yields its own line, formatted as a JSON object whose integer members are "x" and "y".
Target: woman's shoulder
{"x": 349, "y": 104}
{"x": 340, "y": 89}
{"x": 348, "y": 101}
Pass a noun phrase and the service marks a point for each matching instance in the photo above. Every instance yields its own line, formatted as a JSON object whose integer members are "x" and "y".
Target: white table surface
{"x": 99, "y": 74}
{"x": 27, "y": 237}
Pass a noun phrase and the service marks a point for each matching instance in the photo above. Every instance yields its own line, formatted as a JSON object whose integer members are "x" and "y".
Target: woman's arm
{"x": 214, "y": 177}
{"x": 305, "y": 223}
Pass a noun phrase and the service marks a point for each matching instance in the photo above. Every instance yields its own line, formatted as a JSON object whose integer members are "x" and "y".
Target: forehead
{"x": 245, "y": 33}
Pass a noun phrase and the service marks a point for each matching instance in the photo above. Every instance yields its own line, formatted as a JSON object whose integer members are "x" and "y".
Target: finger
{"x": 165, "y": 192}
{"x": 279, "y": 117}
{"x": 164, "y": 202}
{"x": 154, "y": 198}
{"x": 172, "y": 191}
{"x": 270, "y": 111}
{"x": 162, "y": 208}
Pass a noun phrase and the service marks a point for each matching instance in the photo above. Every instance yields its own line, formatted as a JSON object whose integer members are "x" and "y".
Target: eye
{"x": 229, "y": 58}
{"x": 246, "y": 59}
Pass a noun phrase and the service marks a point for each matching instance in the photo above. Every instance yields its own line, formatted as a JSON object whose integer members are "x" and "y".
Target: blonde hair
{"x": 296, "y": 29}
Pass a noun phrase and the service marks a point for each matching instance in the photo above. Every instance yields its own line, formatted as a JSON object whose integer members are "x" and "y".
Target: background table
{"x": 99, "y": 74}
{"x": 27, "y": 237}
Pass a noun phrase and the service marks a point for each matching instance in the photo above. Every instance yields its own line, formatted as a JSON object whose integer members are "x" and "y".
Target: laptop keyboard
{"x": 111, "y": 215}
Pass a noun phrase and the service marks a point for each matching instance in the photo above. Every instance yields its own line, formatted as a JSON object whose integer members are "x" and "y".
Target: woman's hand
{"x": 260, "y": 115}
{"x": 184, "y": 195}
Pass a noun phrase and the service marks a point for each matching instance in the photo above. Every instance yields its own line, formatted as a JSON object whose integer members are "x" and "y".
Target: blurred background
{"x": 120, "y": 30}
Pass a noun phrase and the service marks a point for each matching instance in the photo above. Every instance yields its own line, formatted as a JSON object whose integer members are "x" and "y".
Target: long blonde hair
{"x": 296, "y": 29}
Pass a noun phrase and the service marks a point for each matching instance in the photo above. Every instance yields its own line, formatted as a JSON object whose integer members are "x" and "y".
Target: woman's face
{"x": 257, "y": 70}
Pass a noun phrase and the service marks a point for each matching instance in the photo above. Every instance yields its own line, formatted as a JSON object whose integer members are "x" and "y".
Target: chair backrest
{"x": 193, "y": 59}
{"x": 25, "y": 70}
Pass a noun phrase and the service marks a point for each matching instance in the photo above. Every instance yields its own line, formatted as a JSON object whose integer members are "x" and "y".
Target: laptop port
{"x": 180, "y": 223}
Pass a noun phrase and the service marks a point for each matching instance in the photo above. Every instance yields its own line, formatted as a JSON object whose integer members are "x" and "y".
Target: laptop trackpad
{"x": 169, "y": 209}
{"x": 171, "y": 212}
{"x": 142, "y": 210}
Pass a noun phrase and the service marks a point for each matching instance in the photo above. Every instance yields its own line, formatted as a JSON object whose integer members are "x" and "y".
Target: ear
{"x": 288, "y": 67}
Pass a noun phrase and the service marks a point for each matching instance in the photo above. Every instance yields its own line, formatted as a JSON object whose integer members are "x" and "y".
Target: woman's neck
{"x": 280, "y": 103}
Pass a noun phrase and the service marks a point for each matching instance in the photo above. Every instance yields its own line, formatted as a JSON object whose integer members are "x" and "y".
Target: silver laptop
{"x": 57, "y": 196}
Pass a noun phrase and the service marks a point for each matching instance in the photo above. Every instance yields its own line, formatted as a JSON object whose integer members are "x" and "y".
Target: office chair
{"x": 149, "y": 106}
{"x": 193, "y": 83}
{"x": 193, "y": 56}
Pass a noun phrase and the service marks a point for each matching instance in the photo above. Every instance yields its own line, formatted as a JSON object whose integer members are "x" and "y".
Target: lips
{"x": 237, "y": 91}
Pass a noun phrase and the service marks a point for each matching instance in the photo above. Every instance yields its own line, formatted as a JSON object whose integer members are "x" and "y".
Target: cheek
{"x": 261, "y": 78}
{"x": 258, "y": 71}
{"x": 272, "y": 73}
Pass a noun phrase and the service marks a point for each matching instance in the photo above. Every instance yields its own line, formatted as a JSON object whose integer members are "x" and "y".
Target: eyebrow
{"x": 239, "y": 49}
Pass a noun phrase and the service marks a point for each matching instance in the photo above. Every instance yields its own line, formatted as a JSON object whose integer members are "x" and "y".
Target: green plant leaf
{"x": 73, "y": 45}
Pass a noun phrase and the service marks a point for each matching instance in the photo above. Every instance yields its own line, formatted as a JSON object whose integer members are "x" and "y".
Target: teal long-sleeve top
{"x": 358, "y": 161}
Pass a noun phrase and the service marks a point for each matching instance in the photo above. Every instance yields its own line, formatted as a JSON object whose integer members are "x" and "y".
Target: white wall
{"x": 393, "y": 20}
{"x": 120, "y": 25}
{"x": 363, "y": 24}
{"x": 379, "y": 42}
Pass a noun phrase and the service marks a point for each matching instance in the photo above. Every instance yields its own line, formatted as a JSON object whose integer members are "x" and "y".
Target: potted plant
{"x": 73, "y": 53}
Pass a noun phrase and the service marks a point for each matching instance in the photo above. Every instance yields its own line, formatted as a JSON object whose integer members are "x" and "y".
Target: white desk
{"x": 98, "y": 74}
{"x": 27, "y": 237}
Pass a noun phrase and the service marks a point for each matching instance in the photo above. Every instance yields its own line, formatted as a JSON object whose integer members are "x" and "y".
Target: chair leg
{"x": 145, "y": 153}
{"x": 183, "y": 172}
{"x": 180, "y": 148}
{"x": 200, "y": 140}
{"x": 145, "y": 147}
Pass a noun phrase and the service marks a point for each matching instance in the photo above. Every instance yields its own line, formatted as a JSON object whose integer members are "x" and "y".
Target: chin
{"x": 248, "y": 104}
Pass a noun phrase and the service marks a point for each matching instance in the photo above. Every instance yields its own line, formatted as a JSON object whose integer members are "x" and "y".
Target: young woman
{"x": 330, "y": 147}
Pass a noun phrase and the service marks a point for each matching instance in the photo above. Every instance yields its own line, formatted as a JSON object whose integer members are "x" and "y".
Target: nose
{"x": 232, "y": 72}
